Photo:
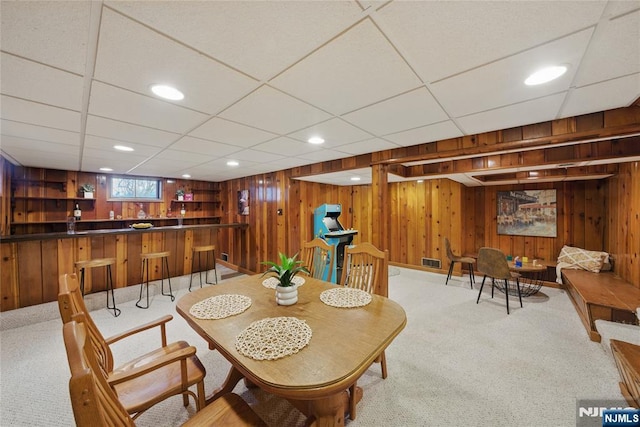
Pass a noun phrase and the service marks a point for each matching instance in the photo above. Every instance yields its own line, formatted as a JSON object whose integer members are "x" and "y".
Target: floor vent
{"x": 225, "y": 257}
{"x": 431, "y": 262}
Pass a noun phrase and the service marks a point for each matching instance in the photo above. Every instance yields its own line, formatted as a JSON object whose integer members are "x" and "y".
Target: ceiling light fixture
{"x": 186, "y": 175}
{"x": 122, "y": 148}
{"x": 106, "y": 169}
{"x": 167, "y": 92}
{"x": 232, "y": 163}
{"x": 355, "y": 178}
{"x": 315, "y": 140}
{"x": 545, "y": 75}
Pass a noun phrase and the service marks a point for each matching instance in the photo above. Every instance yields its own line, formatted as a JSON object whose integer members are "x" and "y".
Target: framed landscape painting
{"x": 527, "y": 213}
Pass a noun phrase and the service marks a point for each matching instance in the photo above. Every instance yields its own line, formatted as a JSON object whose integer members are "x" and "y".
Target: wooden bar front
{"x": 31, "y": 264}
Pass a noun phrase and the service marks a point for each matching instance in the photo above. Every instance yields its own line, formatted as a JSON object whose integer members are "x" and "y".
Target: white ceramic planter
{"x": 88, "y": 194}
{"x": 286, "y": 295}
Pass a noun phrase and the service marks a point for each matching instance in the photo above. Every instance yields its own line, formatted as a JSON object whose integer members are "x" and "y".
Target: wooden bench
{"x": 601, "y": 296}
{"x": 627, "y": 357}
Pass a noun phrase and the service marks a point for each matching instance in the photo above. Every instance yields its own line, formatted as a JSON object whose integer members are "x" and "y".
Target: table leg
{"x": 233, "y": 378}
{"x": 329, "y": 412}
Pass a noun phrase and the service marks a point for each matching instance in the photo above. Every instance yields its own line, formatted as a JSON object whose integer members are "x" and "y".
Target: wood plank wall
{"x": 422, "y": 214}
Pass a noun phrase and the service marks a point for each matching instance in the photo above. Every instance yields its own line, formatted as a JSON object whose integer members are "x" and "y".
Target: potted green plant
{"x": 180, "y": 194}
{"x": 87, "y": 190}
{"x": 284, "y": 272}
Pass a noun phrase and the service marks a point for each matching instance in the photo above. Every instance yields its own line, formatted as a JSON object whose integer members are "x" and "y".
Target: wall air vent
{"x": 224, "y": 257}
{"x": 431, "y": 262}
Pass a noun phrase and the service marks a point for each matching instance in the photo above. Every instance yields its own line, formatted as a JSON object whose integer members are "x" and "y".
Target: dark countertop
{"x": 64, "y": 235}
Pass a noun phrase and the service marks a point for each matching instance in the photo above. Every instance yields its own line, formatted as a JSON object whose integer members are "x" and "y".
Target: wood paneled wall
{"x": 598, "y": 215}
{"x": 622, "y": 231}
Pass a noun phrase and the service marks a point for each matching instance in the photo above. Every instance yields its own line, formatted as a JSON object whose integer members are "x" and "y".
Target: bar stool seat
{"x": 100, "y": 262}
{"x": 209, "y": 249}
{"x": 164, "y": 263}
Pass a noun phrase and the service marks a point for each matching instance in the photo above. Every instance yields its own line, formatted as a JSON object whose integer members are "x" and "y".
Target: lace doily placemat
{"x": 345, "y": 297}
{"x": 220, "y": 306}
{"x": 273, "y": 338}
{"x": 272, "y": 282}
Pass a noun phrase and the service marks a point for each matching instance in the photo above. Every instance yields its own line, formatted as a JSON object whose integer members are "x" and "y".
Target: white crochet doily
{"x": 273, "y": 338}
{"x": 272, "y": 282}
{"x": 345, "y": 297}
{"x": 220, "y": 306}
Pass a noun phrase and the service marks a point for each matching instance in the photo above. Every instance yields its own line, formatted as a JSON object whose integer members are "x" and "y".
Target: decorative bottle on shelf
{"x": 183, "y": 210}
{"x": 77, "y": 213}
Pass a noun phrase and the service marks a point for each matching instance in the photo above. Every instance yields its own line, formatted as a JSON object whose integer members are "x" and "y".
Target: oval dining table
{"x": 344, "y": 343}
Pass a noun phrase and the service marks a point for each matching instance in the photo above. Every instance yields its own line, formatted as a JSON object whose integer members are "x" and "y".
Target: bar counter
{"x": 32, "y": 263}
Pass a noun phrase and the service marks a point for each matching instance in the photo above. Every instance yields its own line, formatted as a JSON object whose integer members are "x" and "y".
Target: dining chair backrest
{"x": 447, "y": 245}
{"x": 366, "y": 267}
{"x": 71, "y": 304}
{"x": 318, "y": 257}
{"x": 93, "y": 400}
{"x": 493, "y": 263}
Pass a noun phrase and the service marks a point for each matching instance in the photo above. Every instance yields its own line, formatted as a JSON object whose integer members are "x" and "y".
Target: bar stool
{"x": 210, "y": 249}
{"x": 164, "y": 263}
{"x": 100, "y": 262}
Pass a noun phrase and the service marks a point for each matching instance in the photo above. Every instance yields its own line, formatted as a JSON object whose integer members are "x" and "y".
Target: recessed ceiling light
{"x": 232, "y": 163}
{"x": 315, "y": 140}
{"x": 545, "y": 75}
{"x": 106, "y": 169}
{"x": 167, "y": 92}
{"x": 186, "y": 175}
{"x": 420, "y": 181}
{"x": 355, "y": 178}
{"x": 122, "y": 148}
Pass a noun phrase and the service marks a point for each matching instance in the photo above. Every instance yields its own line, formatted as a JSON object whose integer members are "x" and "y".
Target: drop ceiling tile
{"x": 221, "y": 130}
{"x": 324, "y": 155}
{"x": 535, "y": 111}
{"x": 502, "y": 82}
{"x": 185, "y": 156}
{"x": 197, "y": 145}
{"x": 250, "y": 36}
{"x": 613, "y": 52}
{"x": 108, "y": 144}
{"x": 208, "y": 85}
{"x": 273, "y": 111}
{"x": 367, "y": 146}
{"x": 9, "y": 142}
{"x": 287, "y": 145}
{"x": 424, "y": 134}
{"x": 335, "y": 132}
{"x": 43, "y": 134}
{"x": 93, "y": 161}
{"x": 119, "y": 104}
{"x": 256, "y": 156}
{"x": 603, "y": 96}
{"x": 36, "y": 82}
{"x": 290, "y": 162}
{"x": 441, "y": 39}
{"x": 52, "y": 32}
{"x": 116, "y": 160}
{"x": 167, "y": 167}
{"x": 406, "y": 111}
{"x": 43, "y": 159}
{"x": 126, "y": 132}
{"x": 356, "y": 69}
{"x": 18, "y": 110}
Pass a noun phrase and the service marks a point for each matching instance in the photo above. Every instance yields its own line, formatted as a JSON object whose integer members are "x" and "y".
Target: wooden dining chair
{"x": 469, "y": 261}
{"x": 318, "y": 256}
{"x": 366, "y": 268}
{"x": 95, "y": 403}
{"x": 147, "y": 379}
{"x": 493, "y": 263}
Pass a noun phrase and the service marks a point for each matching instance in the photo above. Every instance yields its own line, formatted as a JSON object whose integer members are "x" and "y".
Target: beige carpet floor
{"x": 457, "y": 363}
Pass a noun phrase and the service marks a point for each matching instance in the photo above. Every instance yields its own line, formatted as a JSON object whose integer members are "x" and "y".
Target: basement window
{"x": 137, "y": 189}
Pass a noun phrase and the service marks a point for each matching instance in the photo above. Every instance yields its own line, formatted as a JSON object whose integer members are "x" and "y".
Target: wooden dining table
{"x": 344, "y": 343}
